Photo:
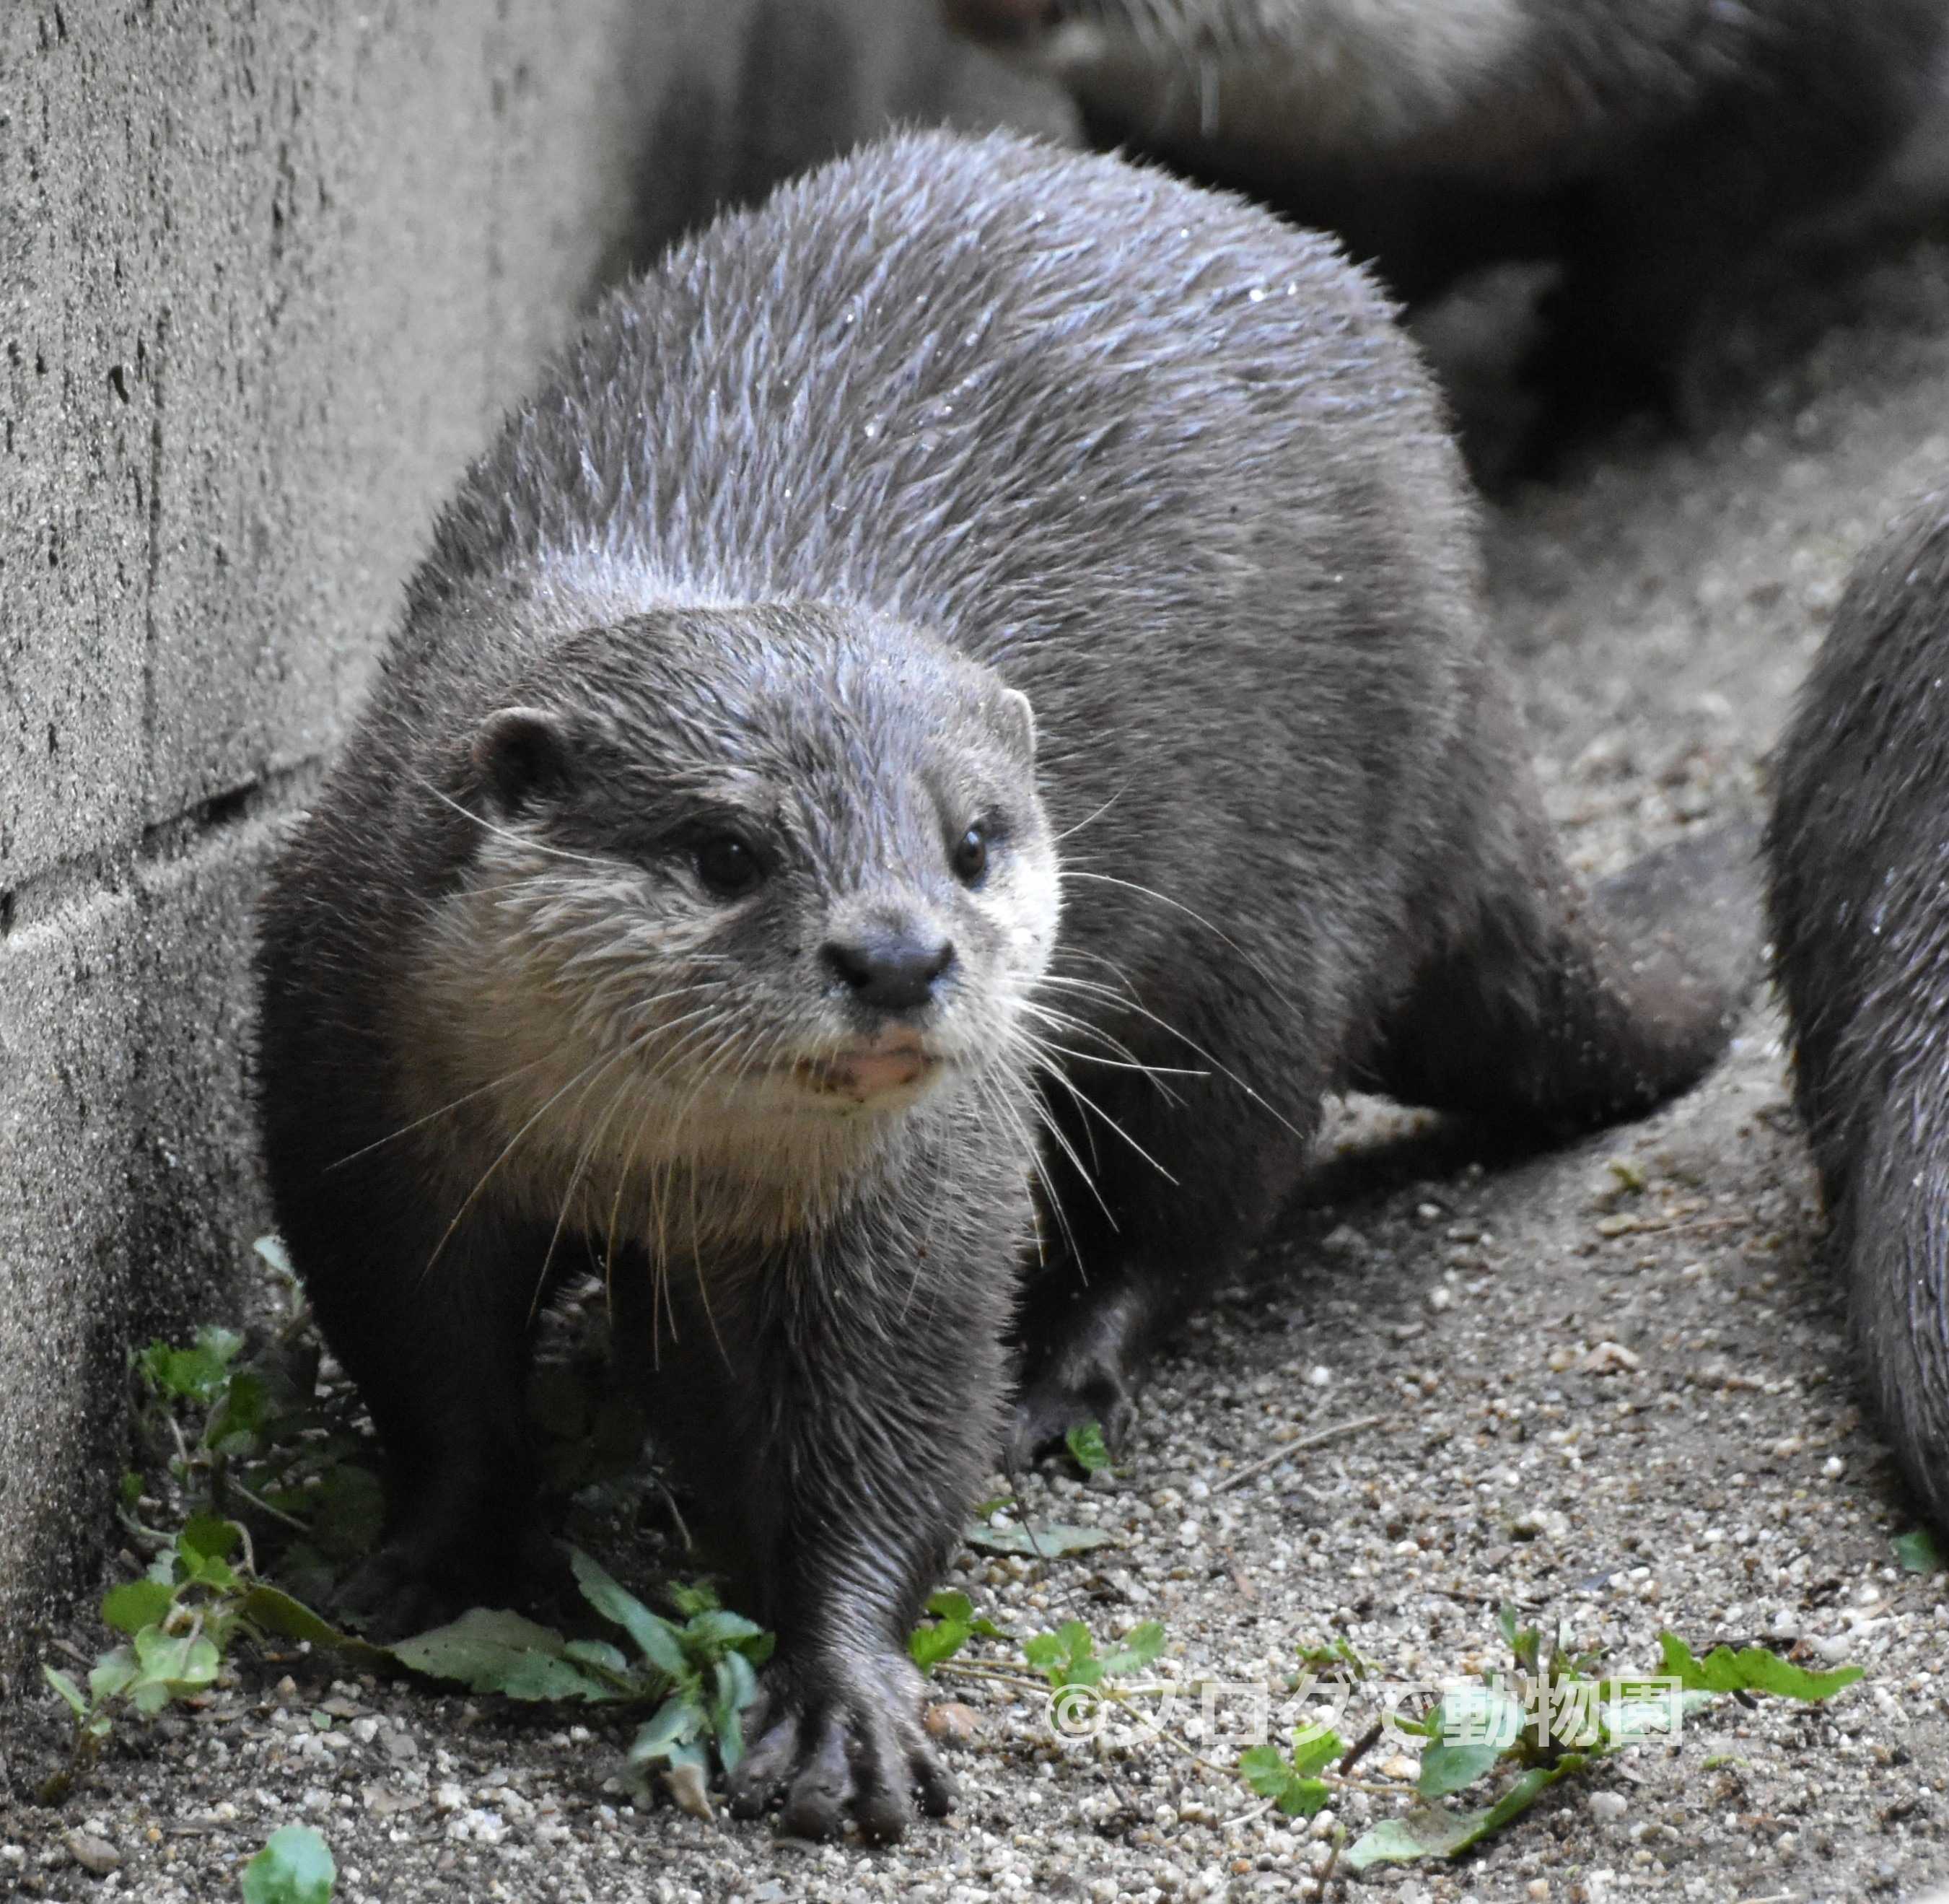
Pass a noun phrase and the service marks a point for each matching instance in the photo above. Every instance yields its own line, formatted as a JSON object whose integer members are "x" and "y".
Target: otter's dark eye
{"x": 727, "y": 866}
{"x": 971, "y": 855}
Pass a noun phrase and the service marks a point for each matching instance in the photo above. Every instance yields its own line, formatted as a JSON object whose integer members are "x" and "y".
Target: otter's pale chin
{"x": 898, "y": 1070}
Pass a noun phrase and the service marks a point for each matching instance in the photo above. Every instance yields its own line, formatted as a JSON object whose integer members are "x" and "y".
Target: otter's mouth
{"x": 863, "y": 1073}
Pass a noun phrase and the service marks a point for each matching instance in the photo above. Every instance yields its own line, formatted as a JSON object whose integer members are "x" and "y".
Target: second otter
{"x": 1857, "y": 852}
{"x": 969, "y": 677}
{"x": 1647, "y": 147}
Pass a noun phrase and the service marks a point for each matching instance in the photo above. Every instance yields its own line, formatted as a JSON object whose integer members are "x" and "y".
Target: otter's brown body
{"x": 1859, "y": 864}
{"x": 1649, "y": 145}
{"x": 698, "y": 888}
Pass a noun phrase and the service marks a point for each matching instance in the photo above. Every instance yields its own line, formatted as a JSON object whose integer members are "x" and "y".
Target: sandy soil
{"x": 1624, "y": 1408}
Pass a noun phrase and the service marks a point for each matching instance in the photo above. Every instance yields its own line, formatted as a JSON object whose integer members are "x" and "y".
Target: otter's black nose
{"x": 892, "y": 972}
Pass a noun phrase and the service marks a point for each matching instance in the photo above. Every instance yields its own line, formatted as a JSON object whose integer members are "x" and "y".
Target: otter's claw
{"x": 1063, "y": 1398}
{"x": 838, "y": 1739}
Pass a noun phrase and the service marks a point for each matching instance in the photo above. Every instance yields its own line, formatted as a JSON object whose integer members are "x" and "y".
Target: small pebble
{"x": 1607, "y": 1807}
{"x": 92, "y": 1853}
{"x": 953, "y": 1722}
{"x": 684, "y": 1783}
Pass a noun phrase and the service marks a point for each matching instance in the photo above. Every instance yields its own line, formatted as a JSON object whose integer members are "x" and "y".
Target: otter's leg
{"x": 434, "y": 1329}
{"x": 836, "y": 1407}
{"x": 1155, "y": 1212}
{"x": 1890, "y": 1235}
{"x": 1548, "y": 1010}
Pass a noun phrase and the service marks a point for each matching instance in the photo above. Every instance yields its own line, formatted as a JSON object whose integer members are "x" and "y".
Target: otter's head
{"x": 739, "y": 873}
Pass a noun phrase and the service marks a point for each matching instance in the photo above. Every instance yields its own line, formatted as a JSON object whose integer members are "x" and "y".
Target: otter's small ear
{"x": 521, "y": 755}
{"x": 1017, "y": 722}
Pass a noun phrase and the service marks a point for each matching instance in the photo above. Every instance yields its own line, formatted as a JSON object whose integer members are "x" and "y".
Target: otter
{"x": 1649, "y": 149}
{"x": 1855, "y": 852}
{"x": 960, "y": 711}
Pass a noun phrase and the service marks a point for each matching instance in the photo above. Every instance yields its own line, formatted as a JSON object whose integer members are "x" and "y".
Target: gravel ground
{"x": 1618, "y": 1396}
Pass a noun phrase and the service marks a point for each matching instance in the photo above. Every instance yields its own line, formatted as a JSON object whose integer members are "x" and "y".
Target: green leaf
{"x": 948, "y": 1604}
{"x": 1304, "y": 1796}
{"x": 1752, "y": 1670}
{"x": 1629, "y": 1710}
{"x": 210, "y": 1539}
{"x": 1065, "y": 1657}
{"x": 1407, "y": 1841}
{"x": 111, "y": 1674}
{"x": 714, "y": 1628}
{"x": 238, "y": 1416}
{"x": 68, "y": 1690}
{"x": 1524, "y": 1642}
{"x": 1918, "y": 1552}
{"x": 952, "y": 1625}
{"x": 1314, "y": 1747}
{"x": 1087, "y": 1449}
{"x": 700, "y": 1597}
{"x": 192, "y": 1375}
{"x": 676, "y": 1720}
{"x": 1427, "y": 1833}
{"x": 1337, "y": 1656}
{"x": 272, "y": 1610}
{"x": 135, "y": 1604}
{"x": 1450, "y": 1768}
{"x": 1052, "y": 1541}
{"x": 1269, "y": 1774}
{"x": 1473, "y": 1727}
{"x": 656, "y": 1638}
{"x": 295, "y": 1867}
{"x": 174, "y": 1663}
{"x": 596, "y": 1653}
{"x": 736, "y": 1687}
{"x": 935, "y": 1641}
{"x": 490, "y": 1650}
{"x": 1138, "y": 1647}
{"x": 1265, "y": 1770}
{"x": 536, "y": 1678}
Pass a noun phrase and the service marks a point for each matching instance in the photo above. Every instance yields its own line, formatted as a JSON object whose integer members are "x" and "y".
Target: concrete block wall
{"x": 269, "y": 271}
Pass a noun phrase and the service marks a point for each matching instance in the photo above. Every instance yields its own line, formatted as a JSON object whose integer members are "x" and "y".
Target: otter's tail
{"x": 1552, "y": 1010}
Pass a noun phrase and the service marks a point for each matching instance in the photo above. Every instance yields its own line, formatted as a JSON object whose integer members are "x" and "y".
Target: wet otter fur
{"x": 1857, "y": 852}
{"x": 958, "y": 713}
{"x": 1649, "y": 146}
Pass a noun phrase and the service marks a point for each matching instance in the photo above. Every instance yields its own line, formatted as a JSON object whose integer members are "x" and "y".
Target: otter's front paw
{"x": 421, "y": 1580}
{"x": 835, "y": 1737}
{"x": 1065, "y": 1397}
{"x": 1081, "y": 1361}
